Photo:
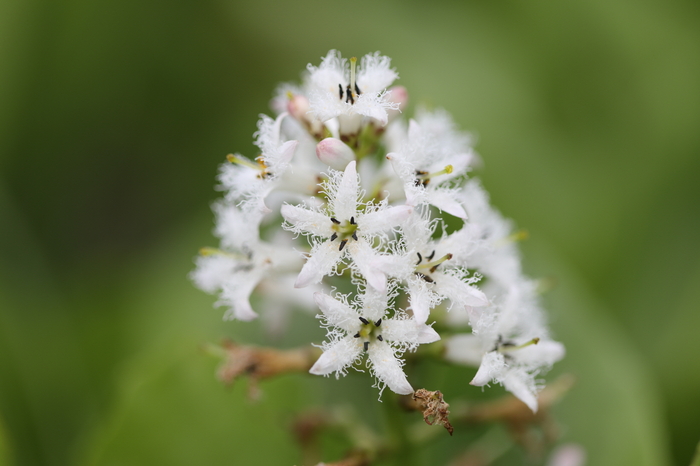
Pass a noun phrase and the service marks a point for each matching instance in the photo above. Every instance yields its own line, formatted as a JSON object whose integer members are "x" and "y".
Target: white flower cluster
{"x": 339, "y": 166}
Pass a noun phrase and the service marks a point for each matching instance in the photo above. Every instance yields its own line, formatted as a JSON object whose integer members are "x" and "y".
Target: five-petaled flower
{"x": 346, "y": 226}
{"x": 367, "y": 327}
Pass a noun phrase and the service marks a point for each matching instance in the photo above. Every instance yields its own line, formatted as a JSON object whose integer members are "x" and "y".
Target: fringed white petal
{"x": 458, "y": 291}
{"x": 236, "y": 295}
{"x": 305, "y": 220}
{"x": 492, "y": 366}
{"x": 445, "y": 200}
{"x": 375, "y": 73}
{"x": 241, "y": 310}
{"x": 212, "y": 272}
{"x": 320, "y": 263}
{"x": 344, "y": 203}
{"x": 374, "y": 304}
{"x": 336, "y": 313}
{"x": 388, "y": 368}
{"x": 337, "y": 357}
{"x": 367, "y": 263}
{"x": 384, "y": 219}
{"x": 522, "y": 385}
{"x": 408, "y": 331}
{"x": 421, "y": 300}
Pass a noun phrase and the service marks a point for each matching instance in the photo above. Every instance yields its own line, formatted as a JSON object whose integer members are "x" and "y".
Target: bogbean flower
{"x": 250, "y": 182}
{"x": 345, "y": 226}
{"x": 337, "y": 88}
{"x": 431, "y": 274}
{"x": 366, "y": 327}
{"x": 512, "y": 362}
{"x": 510, "y": 344}
{"x": 427, "y": 166}
{"x": 243, "y": 262}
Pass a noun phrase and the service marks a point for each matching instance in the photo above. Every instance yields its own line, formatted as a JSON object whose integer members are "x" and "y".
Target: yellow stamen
{"x": 505, "y": 349}
{"x": 207, "y": 251}
{"x": 353, "y": 65}
{"x": 237, "y": 159}
{"x": 520, "y": 235}
{"x": 259, "y": 163}
{"x": 426, "y": 176}
{"x": 433, "y": 265}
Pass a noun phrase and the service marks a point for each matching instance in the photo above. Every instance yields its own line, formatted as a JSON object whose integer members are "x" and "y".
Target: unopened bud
{"x": 298, "y": 106}
{"x": 334, "y": 153}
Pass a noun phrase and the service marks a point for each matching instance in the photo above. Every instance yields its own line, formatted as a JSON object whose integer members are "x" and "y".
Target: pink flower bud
{"x": 298, "y": 106}
{"x": 334, "y": 153}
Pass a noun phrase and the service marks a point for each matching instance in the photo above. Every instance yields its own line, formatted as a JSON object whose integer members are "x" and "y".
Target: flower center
{"x": 344, "y": 231}
{"x": 426, "y": 265}
{"x": 369, "y": 331}
{"x": 423, "y": 177}
{"x": 352, "y": 91}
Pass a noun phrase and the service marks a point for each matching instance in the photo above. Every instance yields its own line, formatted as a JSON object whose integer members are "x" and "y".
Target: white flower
{"x": 510, "y": 344}
{"x": 366, "y": 327}
{"x": 336, "y": 89}
{"x": 238, "y": 231}
{"x": 428, "y": 164}
{"x": 344, "y": 228}
{"x": 430, "y": 272}
{"x": 250, "y": 182}
{"x": 512, "y": 363}
{"x": 245, "y": 260}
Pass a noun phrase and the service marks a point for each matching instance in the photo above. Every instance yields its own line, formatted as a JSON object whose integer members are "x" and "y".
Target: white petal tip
{"x": 305, "y": 278}
{"x": 322, "y": 366}
{"x": 316, "y": 370}
{"x": 428, "y": 335}
{"x": 420, "y": 315}
{"x": 377, "y": 280}
{"x": 286, "y": 211}
{"x": 301, "y": 282}
{"x": 402, "y": 388}
{"x": 245, "y": 315}
{"x": 479, "y": 380}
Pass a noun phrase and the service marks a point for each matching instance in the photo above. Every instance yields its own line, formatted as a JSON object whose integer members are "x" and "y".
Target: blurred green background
{"x": 114, "y": 116}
